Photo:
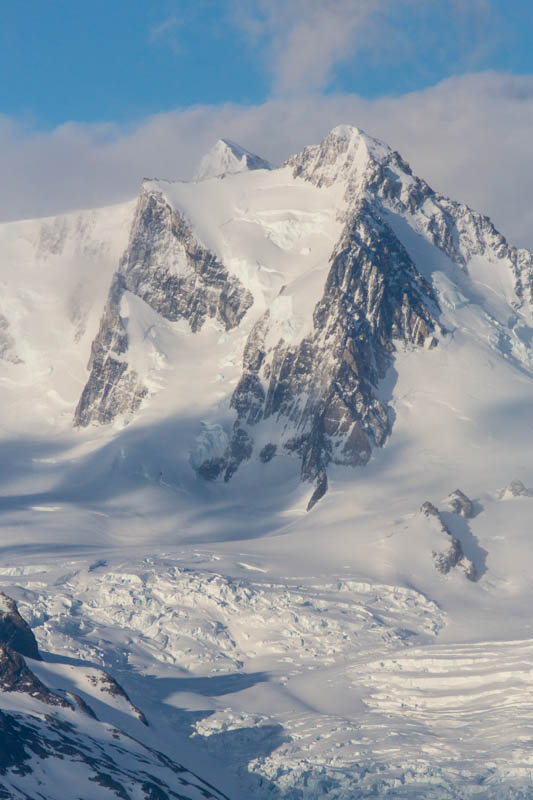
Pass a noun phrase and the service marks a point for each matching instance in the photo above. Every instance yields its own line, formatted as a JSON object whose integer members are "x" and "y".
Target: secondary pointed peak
{"x": 227, "y": 157}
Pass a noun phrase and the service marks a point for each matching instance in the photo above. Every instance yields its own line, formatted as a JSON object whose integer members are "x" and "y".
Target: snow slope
{"x": 227, "y": 157}
{"x": 55, "y": 274}
{"x": 300, "y": 655}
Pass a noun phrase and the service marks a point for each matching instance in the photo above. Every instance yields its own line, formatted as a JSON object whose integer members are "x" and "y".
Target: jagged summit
{"x": 322, "y": 275}
{"x": 351, "y": 135}
{"x": 227, "y": 157}
{"x": 345, "y": 152}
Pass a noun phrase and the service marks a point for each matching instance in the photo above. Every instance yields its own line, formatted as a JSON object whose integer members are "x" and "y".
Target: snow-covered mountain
{"x": 98, "y": 759}
{"x": 341, "y": 292}
{"x": 267, "y": 463}
{"x": 226, "y": 157}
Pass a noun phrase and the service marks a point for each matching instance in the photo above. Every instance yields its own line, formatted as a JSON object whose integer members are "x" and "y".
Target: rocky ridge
{"x": 325, "y": 386}
{"x": 374, "y": 297}
{"x": 368, "y": 166}
{"x": 321, "y": 391}
{"x": 16, "y": 641}
{"x": 461, "y": 504}
{"x": 516, "y": 489}
{"x": 16, "y": 676}
{"x": 15, "y": 632}
{"x": 106, "y": 683}
{"x": 106, "y": 761}
{"x": 169, "y": 270}
{"x": 121, "y": 766}
{"x": 454, "y": 555}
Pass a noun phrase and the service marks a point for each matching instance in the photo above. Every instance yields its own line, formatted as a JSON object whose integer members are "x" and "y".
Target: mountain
{"x": 267, "y": 464}
{"x": 227, "y": 157}
{"x": 324, "y": 324}
{"x": 103, "y": 761}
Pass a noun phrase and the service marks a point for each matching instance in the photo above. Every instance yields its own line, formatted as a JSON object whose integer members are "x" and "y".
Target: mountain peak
{"x": 352, "y": 135}
{"x": 228, "y": 157}
{"x": 346, "y": 132}
{"x": 345, "y": 152}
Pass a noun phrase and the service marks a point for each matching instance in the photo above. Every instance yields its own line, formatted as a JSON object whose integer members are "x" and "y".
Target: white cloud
{"x": 303, "y": 41}
{"x": 306, "y": 38}
{"x": 470, "y": 137}
{"x": 165, "y": 32}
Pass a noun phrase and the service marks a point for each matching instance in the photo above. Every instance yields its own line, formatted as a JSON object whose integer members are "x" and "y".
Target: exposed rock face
{"x": 108, "y": 684}
{"x": 169, "y": 270}
{"x": 267, "y": 453}
{"x": 116, "y": 765}
{"x": 516, "y": 489}
{"x": 461, "y": 504}
{"x": 348, "y": 155}
{"x": 81, "y": 704}
{"x": 369, "y": 166}
{"x": 324, "y": 389}
{"x": 174, "y": 274}
{"x": 15, "y": 632}
{"x": 454, "y": 555}
{"x": 112, "y": 388}
{"x": 15, "y": 676}
{"x": 89, "y": 750}
{"x": 14, "y": 748}
{"x": 320, "y": 491}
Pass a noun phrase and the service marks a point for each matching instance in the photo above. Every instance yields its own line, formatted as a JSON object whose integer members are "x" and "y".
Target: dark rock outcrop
{"x": 122, "y": 768}
{"x": 15, "y": 676}
{"x": 169, "y": 270}
{"x": 320, "y": 491}
{"x": 516, "y": 489}
{"x": 367, "y": 165}
{"x": 15, "y": 632}
{"x": 81, "y": 704}
{"x": 88, "y": 749}
{"x": 323, "y": 391}
{"x": 112, "y": 388}
{"x": 461, "y": 504}
{"x": 106, "y": 683}
{"x": 267, "y": 453}
{"x": 454, "y": 555}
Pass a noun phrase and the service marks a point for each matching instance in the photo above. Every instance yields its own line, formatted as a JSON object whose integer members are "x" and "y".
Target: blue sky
{"x": 123, "y": 60}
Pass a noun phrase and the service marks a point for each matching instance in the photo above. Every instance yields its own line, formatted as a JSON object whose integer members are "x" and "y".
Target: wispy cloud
{"x": 166, "y": 32}
{"x": 303, "y": 41}
{"x": 469, "y": 136}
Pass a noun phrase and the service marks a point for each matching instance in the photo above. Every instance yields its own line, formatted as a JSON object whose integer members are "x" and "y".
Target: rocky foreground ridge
{"x": 49, "y": 730}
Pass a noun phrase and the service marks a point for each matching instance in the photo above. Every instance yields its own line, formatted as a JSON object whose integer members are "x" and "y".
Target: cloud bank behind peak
{"x": 469, "y": 137}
